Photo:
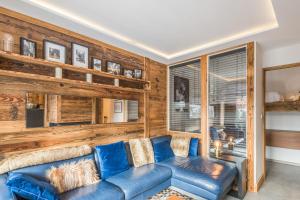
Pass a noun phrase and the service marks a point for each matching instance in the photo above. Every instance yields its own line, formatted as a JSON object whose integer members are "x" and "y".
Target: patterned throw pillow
{"x": 73, "y": 175}
{"x": 141, "y": 151}
{"x": 180, "y": 145}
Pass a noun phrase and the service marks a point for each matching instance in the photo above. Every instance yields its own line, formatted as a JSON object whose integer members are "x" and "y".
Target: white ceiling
{"x": 171, "y": 30}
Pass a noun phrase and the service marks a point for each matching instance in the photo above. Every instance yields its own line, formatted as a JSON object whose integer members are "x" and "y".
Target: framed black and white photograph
{"x": 181, "y": 89}
{"x": 118, "y": 107}
{"x": 96, "y": 64}
{"x": 80, "y": 55}
{"x": 113, "y": 68}
{"x": 27, "y": 47}
{"x": 138, "y": 73}
{"x": 128, "y": 73}
{"x": 54, "y": 52}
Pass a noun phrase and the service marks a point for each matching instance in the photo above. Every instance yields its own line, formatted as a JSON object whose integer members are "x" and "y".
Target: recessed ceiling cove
{"x": 168, "y": 28}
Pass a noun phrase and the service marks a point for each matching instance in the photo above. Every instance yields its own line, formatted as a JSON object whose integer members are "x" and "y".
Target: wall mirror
{"x": 115, "y": 110}
{"x": 47, "y": 110}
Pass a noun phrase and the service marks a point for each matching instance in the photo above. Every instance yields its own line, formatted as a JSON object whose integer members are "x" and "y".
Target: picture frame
{"x": 80, "y": 55}
{"x": 28, "y": 47}
{"x": 113, "y": 68}
{"x": 96, "y": 64}
{"x": 128, "y": 73}
{"x": 118, "y": 107}
{"x": 138, "y": 73}
{"x": 54, "y": 52}
{"x": 181, "y": 89}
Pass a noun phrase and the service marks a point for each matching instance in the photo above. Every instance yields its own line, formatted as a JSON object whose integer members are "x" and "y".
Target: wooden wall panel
{"x": 157, "y": 99}
{"x": 16, "y": 138}
{"x": 283, "y": 139}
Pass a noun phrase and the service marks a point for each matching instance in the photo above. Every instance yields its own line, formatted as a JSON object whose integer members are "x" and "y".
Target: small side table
{"x": 239, "y": 189}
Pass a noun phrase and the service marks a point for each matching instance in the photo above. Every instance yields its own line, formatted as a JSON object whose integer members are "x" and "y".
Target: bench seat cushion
{"x": 138, "y": 180}
{"x": 215, "y": 177}
{"x": 100, "y": 191}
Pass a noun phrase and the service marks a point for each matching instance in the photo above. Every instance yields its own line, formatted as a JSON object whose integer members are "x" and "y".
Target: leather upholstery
{"x": 100, "y": 191}
{"x": 138, "y": 180}
{"x": 209, "y": 176}
{"x": 39, "y": 171}
{"x": 5, "y": 193}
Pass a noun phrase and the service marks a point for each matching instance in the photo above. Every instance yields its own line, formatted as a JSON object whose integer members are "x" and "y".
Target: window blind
{"x": 184, "y": 97}
{"x": 227, "y": 97}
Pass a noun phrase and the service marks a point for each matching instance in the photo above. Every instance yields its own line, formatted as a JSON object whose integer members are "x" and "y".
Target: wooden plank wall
{"x": 15, "y": 138}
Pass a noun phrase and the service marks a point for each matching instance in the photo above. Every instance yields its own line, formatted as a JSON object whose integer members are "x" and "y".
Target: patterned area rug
{"x": 165, "y": 194}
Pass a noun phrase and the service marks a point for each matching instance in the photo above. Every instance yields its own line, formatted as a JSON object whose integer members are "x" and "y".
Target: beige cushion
{"x": 141, "y": 151}
{"x": 180, "y": 145}
{"x": 73, "y": 175}
{"x": 41, "y": 157}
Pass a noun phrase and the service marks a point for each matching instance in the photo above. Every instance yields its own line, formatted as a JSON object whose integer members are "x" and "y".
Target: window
{"x": 184, "y": 97}
{"x": 227, "y": 100}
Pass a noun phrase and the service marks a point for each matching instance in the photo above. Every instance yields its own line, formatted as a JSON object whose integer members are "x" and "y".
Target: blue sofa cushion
{"x": 100, "y": 191}
{"x": 138, "y": 180}
{"x": 209, "y": 175}
{"x": 175, "y": 162}
{"x": 112, "y": 159}
{"x": 162, "y": 151}
{"x": 193, "y": 151}
{"x": 29, "y": 188}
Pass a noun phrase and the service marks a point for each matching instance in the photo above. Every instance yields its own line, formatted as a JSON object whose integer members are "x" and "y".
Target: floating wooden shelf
{"x": 45, "y": 63}
{"x": 83, "y": 84}
{"x": 283, "y": 138}
{"x": 283, "y": 106}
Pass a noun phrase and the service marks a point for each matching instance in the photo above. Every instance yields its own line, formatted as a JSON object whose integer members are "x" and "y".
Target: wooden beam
{"x": 146, "y": 100}
{"x": 250, "y": 115}
{"x": 204, "y": 105}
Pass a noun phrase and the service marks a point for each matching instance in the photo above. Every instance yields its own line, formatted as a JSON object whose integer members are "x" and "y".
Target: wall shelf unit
{"x": 283, "y": 106}
{"x": 40, "y": 63}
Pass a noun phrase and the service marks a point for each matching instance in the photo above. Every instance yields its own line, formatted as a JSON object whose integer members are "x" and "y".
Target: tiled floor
{"x": 282, "y": 183}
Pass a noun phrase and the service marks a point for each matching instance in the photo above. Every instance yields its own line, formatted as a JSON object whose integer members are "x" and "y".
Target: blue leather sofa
{"x": 202, "y": 177}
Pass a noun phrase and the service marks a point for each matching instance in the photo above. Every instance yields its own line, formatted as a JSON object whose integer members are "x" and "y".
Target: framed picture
{"x": 113, "y": 68}
{"x": 54, "y": 52}
{"x": 27, "y": 47}
{"x": 80, "y": 55}
{"x": 138, "y": 73}
{"x": 96, "y": 64}
{"x": 181, "y": 89}
{"x": 128, "y": 73}
{"x": 118, "y": 107}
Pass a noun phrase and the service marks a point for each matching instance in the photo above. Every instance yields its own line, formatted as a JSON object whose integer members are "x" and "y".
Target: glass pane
{"x": 184, "y": 97}
{"x": 227, "y": 99}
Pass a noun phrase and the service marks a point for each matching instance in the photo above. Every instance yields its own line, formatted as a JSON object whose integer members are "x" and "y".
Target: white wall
{"x": 258, "y": 111}
{"x": 284, "y": 121}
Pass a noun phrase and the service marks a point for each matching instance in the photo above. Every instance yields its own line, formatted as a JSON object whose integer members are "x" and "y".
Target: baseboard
{"x": 284, "y": 162}
{"x": 261, "y": 180}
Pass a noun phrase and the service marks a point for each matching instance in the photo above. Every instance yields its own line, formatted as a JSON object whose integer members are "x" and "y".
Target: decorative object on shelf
{"x": 230, "y": 143}
{"x": 6, "y": 42}
{"x": 128, "y": 73}
{"x": 80, "y": 55}
{"x": 96, "y": 64}
{"x": 218, "y": 147}
{"x": 116, "y": 82}
{"x": 138, "y": 73}
{"x": 118, "y": 106}
{"x": 54, "y": 52}
{"x": 181, "y": 89}
{"x": 27, "y": 47}
{"x": 113, "y": 68}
